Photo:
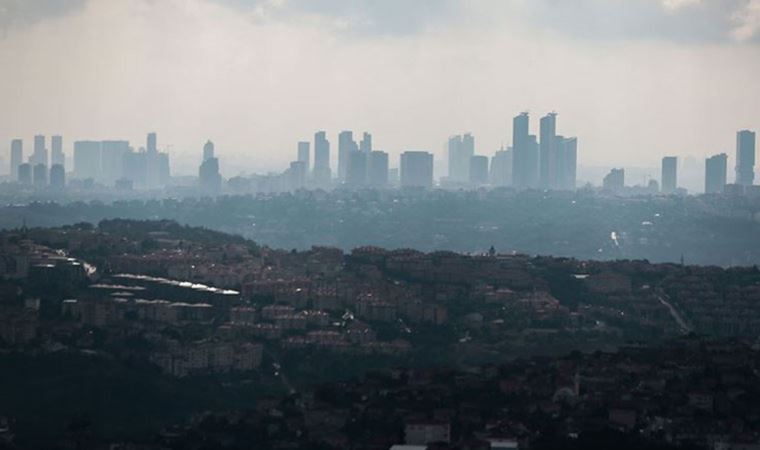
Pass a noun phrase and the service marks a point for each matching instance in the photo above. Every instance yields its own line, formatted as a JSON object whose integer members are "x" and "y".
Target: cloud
{"x": 357, "y": 17}
{"x": 684, "y": 21}
{"x": 675, "y": 5}
{"x": 26, "y": 12}
{"x": 747, "y": 21}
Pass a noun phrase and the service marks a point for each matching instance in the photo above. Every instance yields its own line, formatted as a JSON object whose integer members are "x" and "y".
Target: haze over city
{"x": 379, "y": 224}
{"x": 634, "y": 80}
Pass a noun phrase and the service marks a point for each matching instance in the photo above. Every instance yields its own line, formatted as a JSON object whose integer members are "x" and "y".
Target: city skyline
{"x": 695, "y": 58}
{"x": 112, "y": 161}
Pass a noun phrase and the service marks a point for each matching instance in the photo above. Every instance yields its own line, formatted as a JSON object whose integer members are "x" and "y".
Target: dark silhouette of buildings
{"x": 745, "y": 158}
{"x": 304, "y": 156}
{"x": 461, "y": 149}
{"x": 478, "y": 170}
{"x": 615, "y": 180}
{"x": 378, "y": 169}
{"x": 716, "y": 168}
{"x": 40, "y": 154}
{"x": 501, "y": 168}
{"x": 525, "y": 159}
{"x": 416, "y": 169}
{"x": 56, "y": 151}
{"x": 669, "y": 178}
{"x": 57, "y": 177}
{"x": 346, "y": 145}
{"x": 40, "y": 176}
{"x": 322, "y": 172}
{"x": 25, "y": 174}
{"x": 208, "y": 150}
{"x": 17, "y": 157}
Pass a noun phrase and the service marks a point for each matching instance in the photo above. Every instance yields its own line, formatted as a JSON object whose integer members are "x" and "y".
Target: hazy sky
{"x": 633, "y": 79}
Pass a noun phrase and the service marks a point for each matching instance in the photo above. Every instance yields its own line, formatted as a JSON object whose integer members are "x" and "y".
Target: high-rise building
{"x": 208, "y": 150}
{"x": 112, "y": 160}
{"x": 365, "y": 145}
{"x": 56, "y": 151}
{"x": 57, "y": 177}
{"x": 135, "y": 168}
{"x": 456, "y": 169}
{"x": 40, "y": 176}
{"x": 525, "y": 153}
{"x": 40, "y": 154}
{"x": 547, "y": 157}
{"x": 209, "y": 179}
{"x": 615, "y": 180}
{"x": 297, "y": 175}
{"x": 87, "y": 156}
{"x": 346, "y": 145}
{"x": 164, "y": 169}
{"x": 416, "y": 169}
{"x": 669, "y": 178}
{"x": 745, "y": 158}
{"x": 478, "y": 170}
{"x": 716, "y": 168}
{"x": 322, "y": 172}
{"x": 533, "y": 160}
{"x": 356, "y": 172}
{"x": 156, "y": 167}
{"x": 378, "y": 169}
{"x": 151, "y": 142}
{"x": 461, "y": 149}
{"x": 501, "y": 168}
{"x": 304, "y": 154}
{"x": 566, "y": 150}
{"x": 25, "y": 174}
{"x": 17, "y": 157}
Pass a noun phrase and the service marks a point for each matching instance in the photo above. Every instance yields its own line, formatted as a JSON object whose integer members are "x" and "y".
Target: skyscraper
{"x": 365, "y": 145}
{"x": 40, "y": 176}
{"x": 152, "y": 160}
{"x": 209, "y": 179}
{"x": 87, "y": 156}
{"x": 547, "y": 157}
{"x": 525, "y": 153}
{"x": 378, "y": 169}
{"x": 416, "y": 169}
{"x": 461, "y": 149}
{"x": 569, "y": 163}
{"x": 25, "y": 174}
{"x": 615, "y": 180}
{"x": 322, "y": 172}
{"x": 57, "y": 177}
{"x": 17, "y": 157}
{"x": 151, "y": 142}
{"x": 208, "y": 150}
{"x": 164, "y": 169}
{"x": 478, "y": 170}
{"x": 304, "y": 154}
{"x": 456, "y": 169}
{"x": 669, "y": 179}
{"x": 716, "y": 167}
{"x": 40, "y": 154}
{"x": 745, "y": 158}
{"x": 112, "y": 160}
{"x": 356, "y": 172}
{"x": 56, "y": 151}
{"x": 346, "y": 145}
{"x": 501, "y": 168}
{"x": 134, "y": 167}
{"x": 297, "y": 174}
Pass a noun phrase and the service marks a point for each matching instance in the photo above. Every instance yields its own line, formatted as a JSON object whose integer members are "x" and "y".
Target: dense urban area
{"x": 708, "y": 229}
{"x": 151, "y": 334}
